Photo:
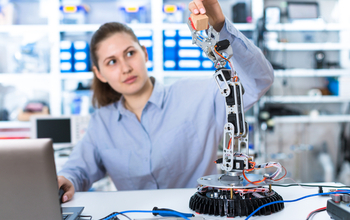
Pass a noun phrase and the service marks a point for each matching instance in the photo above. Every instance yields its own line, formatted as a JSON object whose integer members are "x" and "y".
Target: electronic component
{"x": 339, "y": 207}
{"x": 65, "y": 131}
{"x": 234, "y": 193}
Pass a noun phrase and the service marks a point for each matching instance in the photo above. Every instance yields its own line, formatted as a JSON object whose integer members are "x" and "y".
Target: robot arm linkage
{"x": 219, "y": 52}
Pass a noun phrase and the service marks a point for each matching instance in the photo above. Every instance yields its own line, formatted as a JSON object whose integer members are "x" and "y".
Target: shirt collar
{"x": 157, "y": 98}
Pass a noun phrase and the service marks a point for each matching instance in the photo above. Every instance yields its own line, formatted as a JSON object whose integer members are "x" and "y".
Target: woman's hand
{"x": 68, "y": 188}
{"x": 212, "y": 9}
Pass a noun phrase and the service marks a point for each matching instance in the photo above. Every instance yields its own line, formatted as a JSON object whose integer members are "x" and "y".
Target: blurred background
{"x": 302, "y": 122}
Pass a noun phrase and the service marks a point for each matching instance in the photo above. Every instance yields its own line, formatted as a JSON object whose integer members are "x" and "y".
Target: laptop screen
{"x": 28, "y": 186}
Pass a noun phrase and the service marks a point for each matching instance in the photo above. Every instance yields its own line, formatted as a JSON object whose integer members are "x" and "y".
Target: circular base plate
{"x": 222, "y": 204}
{"x": 227, "y": 181}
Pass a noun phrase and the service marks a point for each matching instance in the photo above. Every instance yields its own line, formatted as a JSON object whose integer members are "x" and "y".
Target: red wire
{"x": 221, "y": 55}
{"x": 251, "y": 169}
{"x": 248, "y": 170}
{"x": 229, "y": 144}
{"x": 320, "y": 209}
{"x": 224, "y": 59}
{"x": 253, "y": 182}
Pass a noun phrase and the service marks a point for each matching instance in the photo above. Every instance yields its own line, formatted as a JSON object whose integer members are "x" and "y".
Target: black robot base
{"x": 231, "y": 203}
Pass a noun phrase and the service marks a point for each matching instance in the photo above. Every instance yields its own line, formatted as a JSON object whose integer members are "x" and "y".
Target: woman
{"x": 145, "y": 135}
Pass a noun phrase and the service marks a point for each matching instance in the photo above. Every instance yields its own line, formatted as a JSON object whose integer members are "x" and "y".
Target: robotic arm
{"x": 219, "y": 52}
{"x": 230, "y": 194}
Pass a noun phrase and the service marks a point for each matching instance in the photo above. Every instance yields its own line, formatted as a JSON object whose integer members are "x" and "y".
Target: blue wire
{"x": 295, "y": 200}
{"x": 145, "y": 211}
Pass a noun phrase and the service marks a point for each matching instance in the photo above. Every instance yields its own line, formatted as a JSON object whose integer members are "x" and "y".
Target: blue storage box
{"x": 134, "y": 13}
{"x": 170, "y": 48}
{"x": 73, "y": 14}
{"x": 145, "y": 39}
{"x": 189, "y": 64}
{"x": 81, "y": 45}
{"x": 185, "y": 53}
{"x": 66, "y": 56}
{"x": 81, "y": 56}
{"x": 81, "y": 67}
{"x": 66, "y": 67}
{"x": 189, "y": 55}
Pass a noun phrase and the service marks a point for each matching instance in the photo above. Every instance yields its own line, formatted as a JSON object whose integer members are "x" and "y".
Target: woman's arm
{"x": 253, "y": 69}
{"x": 84, "y": 165}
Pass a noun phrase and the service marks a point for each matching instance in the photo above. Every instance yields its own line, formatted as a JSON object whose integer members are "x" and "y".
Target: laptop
{"x": 28, "y": 182}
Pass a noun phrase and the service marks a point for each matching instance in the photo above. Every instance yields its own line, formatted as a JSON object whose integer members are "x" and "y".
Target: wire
{"x": 306, "y": 185}
{"x": 298, "y": 184}
{"x": 295, "y": 200}
{"x": 253, "y": 166}
{"x": 268, "y": 165}
{"x": 85, "y": 216}
{"x": 229, "y": 144}
{"x": 253, "y": 182}
{"x": 158, "y": 211}
{"x": 112, "y": 215}
{"x": 285, "y": 173}
{"x": 222, "y": 56}
{"x": 224, "y": 59}
{"x": 315, "y": 212}
{"x": 146, "y": 211}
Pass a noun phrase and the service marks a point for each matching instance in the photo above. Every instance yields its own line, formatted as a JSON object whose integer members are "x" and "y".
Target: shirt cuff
{"x": 70, "y": 178}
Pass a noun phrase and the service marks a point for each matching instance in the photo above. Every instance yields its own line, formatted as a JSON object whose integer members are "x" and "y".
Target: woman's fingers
{"x": 197, "y": 7}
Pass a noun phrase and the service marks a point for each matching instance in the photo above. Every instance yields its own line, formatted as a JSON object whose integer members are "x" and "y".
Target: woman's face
{"x": 122, "y": 64}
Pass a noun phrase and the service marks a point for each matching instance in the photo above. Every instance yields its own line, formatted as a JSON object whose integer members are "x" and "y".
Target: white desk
{"x": 101, "y": 204}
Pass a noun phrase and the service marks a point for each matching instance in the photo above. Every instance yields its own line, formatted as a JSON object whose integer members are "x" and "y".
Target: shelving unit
{"x": 304, "y": 99}
{"x": 287, "y": 31}
{"x": 292, "y": 118}
{"x": 23, "y": 28}
{"x": 29, "y": 77}
{"x": 322, "y": 26}
{"x": 312, "y": 73}
{"x": 54, "y": 31}
{"x": 306, "y": 46}
{"x": 78, "y": 76}
{"x": 14, "y": 124}
{"x": 311, "y": 119}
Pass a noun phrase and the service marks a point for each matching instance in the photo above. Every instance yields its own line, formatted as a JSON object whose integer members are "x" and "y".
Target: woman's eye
{"x": 111, "y": 62}
{"x": 130, "y": 53}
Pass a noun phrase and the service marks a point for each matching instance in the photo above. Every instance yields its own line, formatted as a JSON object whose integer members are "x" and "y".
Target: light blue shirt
{"x": 177, "y": 139}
